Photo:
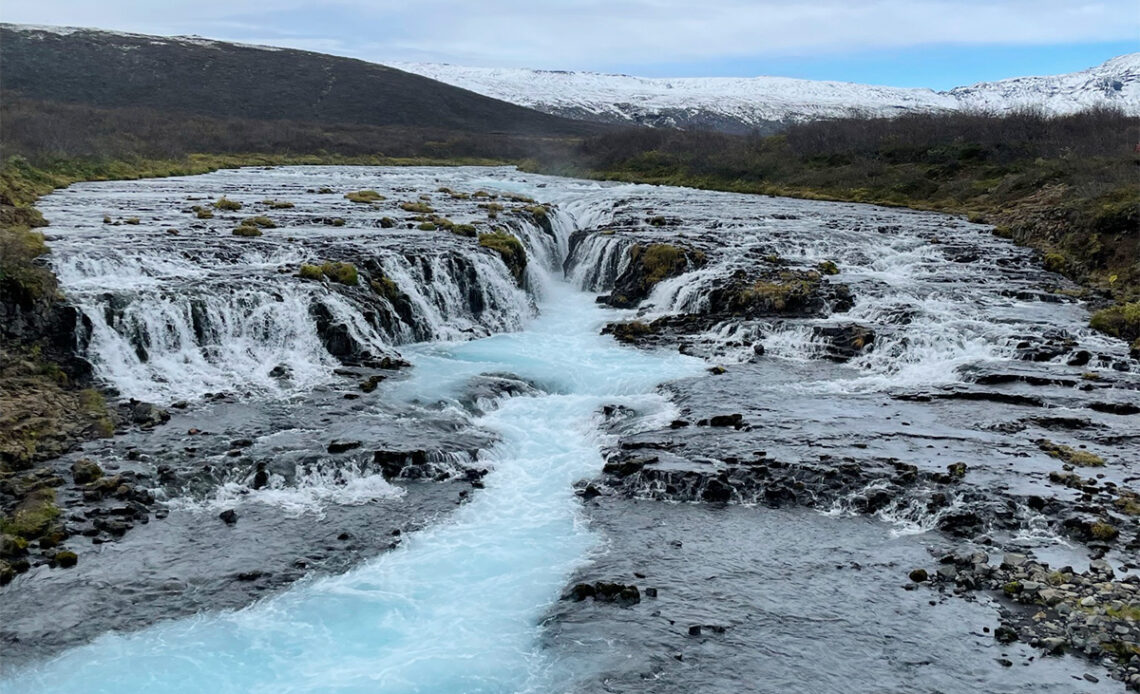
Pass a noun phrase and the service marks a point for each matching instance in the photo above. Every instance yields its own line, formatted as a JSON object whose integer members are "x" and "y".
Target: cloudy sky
{"x": 934, "y": 43}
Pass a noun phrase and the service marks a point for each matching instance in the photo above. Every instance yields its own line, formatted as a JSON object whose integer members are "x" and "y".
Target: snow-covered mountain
{"x": 744, "y": 104}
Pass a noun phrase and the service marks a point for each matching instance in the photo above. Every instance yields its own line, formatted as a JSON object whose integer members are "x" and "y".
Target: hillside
{"x": 224, "y": 80}
{"x": 734, "y": 104}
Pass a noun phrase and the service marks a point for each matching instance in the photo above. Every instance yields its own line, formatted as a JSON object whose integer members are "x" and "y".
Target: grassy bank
{"x": 1068, "y": 187}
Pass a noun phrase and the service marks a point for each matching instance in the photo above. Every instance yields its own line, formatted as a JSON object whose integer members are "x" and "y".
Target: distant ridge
{"x": 226, "y": 80}
{"x": 766, "y": 103}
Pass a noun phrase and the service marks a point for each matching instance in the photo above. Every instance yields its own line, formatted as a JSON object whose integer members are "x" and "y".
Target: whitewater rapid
{"x": 457, "y": 607}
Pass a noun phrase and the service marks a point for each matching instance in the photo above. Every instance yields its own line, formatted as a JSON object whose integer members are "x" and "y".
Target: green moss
{"x": 310, "y": 272}
{"x": 539, "y": 212}
{"x": 417, "y": 207}
{"x": 224, "y": 203}
{"x": 426, "y": 226}
{"x": 247, "y": 230}
{"x": 364, "y": 196}
{"x": 1103, "y": 531}
{"x": 336, "y": 222}
{"x": 1055, "y": 262}
{"x": 1012, "y": 588}
{"x": 386, "y": 287}
{"x": 518, "y": 197}
{"x": 260, "y": 221}
{"x": 278, "y": 204}
{"x": 344, "y": 273}
{"x": 387, "y": 222}
{"x": 1129, "y": 612}
{"x": 204, "y": 213}
{"x": 509, "y": 249}
{"x": 34, "y": 516}
{"x": 828, "y": 267}
{"x": 630, "y": 331}
{"x": 465, "y": 230}
{"x": 65, "y": 559}
{"x": 1070, "y": 455}
{"x": 1121, "y": 320}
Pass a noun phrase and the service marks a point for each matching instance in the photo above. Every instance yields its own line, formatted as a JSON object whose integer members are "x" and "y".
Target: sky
{"x": 904, "y": 43}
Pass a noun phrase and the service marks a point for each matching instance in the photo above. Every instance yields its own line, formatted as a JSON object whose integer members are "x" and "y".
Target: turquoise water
{"x": 456, "y": 608}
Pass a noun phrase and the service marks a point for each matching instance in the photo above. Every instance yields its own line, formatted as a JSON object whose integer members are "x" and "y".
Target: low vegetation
{"x": 224, "y": 203}
{"x": 417, "y": 207}
{"x": 364, "y": 196}
{"x": 509, "y": 249}
{"x": 1070, "y": 455}
{"x": 342, "y": 273}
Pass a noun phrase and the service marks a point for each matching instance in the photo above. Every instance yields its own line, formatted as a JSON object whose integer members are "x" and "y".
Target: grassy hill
{"x": 224, "y": 80}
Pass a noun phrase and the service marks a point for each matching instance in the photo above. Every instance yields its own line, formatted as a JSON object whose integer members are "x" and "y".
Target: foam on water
{"x": 456, "y": 608}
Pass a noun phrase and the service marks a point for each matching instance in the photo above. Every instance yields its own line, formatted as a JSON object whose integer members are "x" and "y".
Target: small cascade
{"x": 596, "y": 260}
{"x": 178, "y": 314}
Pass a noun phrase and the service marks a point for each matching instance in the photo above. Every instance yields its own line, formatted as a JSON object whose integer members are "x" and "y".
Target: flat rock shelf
{"x": 475, "y": 430}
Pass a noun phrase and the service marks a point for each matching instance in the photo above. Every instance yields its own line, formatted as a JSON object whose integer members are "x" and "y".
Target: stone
{"x": 919, "y": 575}
{"x": 85, "y": 471}
{"x": 343, "y": 446}
{"x": 229, "y": 516}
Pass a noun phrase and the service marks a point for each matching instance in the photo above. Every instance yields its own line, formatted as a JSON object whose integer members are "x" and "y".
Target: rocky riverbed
{"x": 883, "y": 393}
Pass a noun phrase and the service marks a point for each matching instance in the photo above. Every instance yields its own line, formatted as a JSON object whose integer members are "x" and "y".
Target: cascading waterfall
{"x": 456, "y": 608}
{"x": 176, "y": 320}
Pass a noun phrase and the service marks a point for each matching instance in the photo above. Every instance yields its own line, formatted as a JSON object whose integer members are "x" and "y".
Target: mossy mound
{"x": 364, "y": 196}
{"x": 260, "y": 221}
{"x": 1070, "y": 455}
{"x": 510, "y": 250}
{"x": 247, "y": 230}
{"x": 387, "y": 222}
{"x": 649, "y": 265}
{"x": 386, "y": 287}
{"x": 224, "y": 203}
{"x": 467, "y": 230}
{"x": 1121, "y": 320}
{"x": 278, "y": 204}
{"x": 426, "y": 226}
{"x": 417, "y": 207}
{"x": 630, "y": 331}
{"x": 342, "y": 273}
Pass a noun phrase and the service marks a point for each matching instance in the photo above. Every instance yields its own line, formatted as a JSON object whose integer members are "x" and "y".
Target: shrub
{"x": 224, "y": 203}
{"x": 364, "y": 196}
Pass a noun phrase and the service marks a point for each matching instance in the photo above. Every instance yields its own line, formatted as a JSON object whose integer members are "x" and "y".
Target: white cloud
{"x": 589, "y": 34}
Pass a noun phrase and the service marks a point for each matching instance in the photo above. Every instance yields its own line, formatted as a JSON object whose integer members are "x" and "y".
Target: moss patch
{"x": 224, "y": 203}
{"x": 364, "y": 196}
{"x": 342, "y": 273}
{"x": 1070, "y": 455}
{"x": 509, "y": 249}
